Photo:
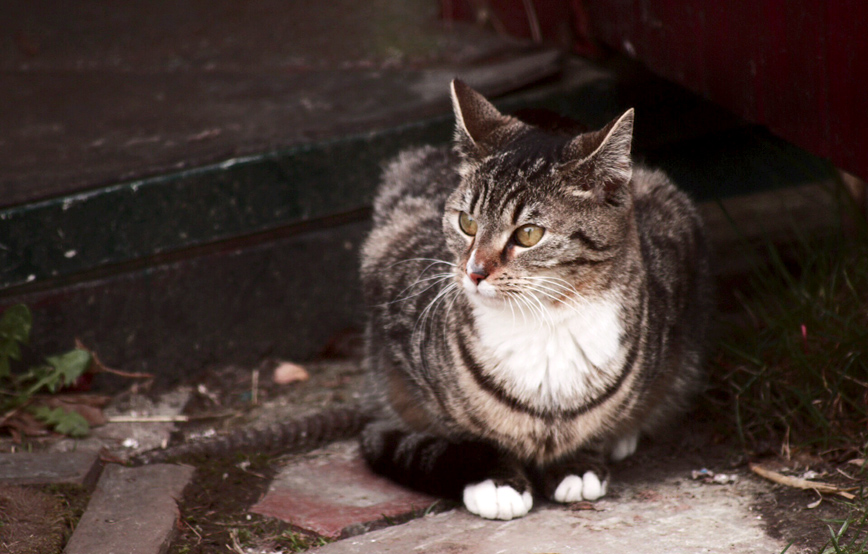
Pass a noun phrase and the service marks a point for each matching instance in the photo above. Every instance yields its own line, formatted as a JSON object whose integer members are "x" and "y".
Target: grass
{"x": 796, "y": 370}
{"x": 839, "y": 544}
{"x": 292, "y": 541}
{"x": 792, "y": 374}
{"x": 74, "y": 499}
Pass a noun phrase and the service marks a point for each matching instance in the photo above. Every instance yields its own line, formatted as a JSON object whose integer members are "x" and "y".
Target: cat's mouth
{"x": 482, "y": 288}
{"x": 483, "y": 292}
{"x": 531, "y": 293}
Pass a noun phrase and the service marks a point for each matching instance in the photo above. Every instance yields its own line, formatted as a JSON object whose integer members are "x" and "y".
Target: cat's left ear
{"x": 600, "y": 162}
{"x": 479, "y": 127}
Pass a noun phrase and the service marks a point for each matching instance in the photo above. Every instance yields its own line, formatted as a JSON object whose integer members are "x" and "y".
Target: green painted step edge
{"x": 134, "y": 220}
{"x": 124, "y": 222}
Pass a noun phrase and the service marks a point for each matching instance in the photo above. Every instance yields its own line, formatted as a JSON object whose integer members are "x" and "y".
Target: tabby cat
{"x": 537, "y": 302}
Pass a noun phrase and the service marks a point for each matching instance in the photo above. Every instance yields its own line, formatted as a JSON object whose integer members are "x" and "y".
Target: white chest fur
{"x": 556, "y": 361}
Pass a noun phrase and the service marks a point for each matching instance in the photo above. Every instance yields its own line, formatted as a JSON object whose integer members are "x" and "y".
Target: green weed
{"x": 793, "y": 371}
{"x": 20, "y": 387}
{"x": 796, "y": 369}
{"x": 856, "y": 544}
{"x": 293, "y": 541}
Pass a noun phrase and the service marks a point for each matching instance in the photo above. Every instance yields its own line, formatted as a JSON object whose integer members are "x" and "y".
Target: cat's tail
{"x": 436, "y": 465}
{"x": 286, "y": 436}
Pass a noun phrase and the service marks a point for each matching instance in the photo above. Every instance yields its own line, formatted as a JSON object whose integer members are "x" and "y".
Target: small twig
{"x": 845, "y": 474}
{"x": 127, "y": 374}
{"x": 199, "y": 536}
{"x": 236, "y": 545}
{"x": 785, "y": 445}
{"x": 169, "y": 418}
{"x": 254, "y": 396}
{"x": 100, "y": 367}
{"x": 532, "y": 21}
{"x": 148, "y": 419}
{"x": 253, "y": 473}
{"x": 233, "y": 524}
{"x": 803, "y": 484}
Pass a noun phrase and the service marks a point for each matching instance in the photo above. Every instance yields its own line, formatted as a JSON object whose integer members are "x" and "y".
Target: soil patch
{"x": 214, "y": 510}
{"x": 38, "y": 520}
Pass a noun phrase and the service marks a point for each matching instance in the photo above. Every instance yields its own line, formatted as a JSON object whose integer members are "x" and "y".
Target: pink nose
{"x": 477, "y": 277}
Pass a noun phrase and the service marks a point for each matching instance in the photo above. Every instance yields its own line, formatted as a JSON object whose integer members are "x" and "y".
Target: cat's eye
{"x": 467, "y": 223}
{"x": 529, "y": 235}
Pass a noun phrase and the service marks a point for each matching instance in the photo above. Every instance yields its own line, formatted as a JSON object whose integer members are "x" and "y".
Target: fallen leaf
{"x": 22, "y": 423}
{"x": 88, "y": 408}
{"x": 288, "y": 372}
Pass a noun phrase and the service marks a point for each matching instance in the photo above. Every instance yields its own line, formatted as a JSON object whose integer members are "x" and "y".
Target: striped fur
{"x": 565, "y": 350}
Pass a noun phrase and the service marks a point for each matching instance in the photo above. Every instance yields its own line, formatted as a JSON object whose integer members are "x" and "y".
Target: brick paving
{"x": 332, "y": 493}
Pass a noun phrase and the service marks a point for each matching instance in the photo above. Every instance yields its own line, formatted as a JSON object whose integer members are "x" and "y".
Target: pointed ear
{"x": 479, "y": 127}
{"x": 600, "y": 162}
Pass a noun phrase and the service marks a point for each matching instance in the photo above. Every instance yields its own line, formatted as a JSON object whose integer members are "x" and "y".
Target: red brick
{"x": 332, "y": 492}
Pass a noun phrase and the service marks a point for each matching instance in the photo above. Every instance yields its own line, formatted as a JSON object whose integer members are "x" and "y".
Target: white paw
{"x": 625, "y": 446}
{"x": 574, "y": 488}
{"x": 492, "y": 502}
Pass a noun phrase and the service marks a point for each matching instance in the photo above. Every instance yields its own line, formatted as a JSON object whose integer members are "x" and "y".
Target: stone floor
{"x": 655, "y": 503}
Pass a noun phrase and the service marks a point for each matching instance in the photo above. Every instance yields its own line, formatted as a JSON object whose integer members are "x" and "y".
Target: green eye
{"x": 529, "y": 235}
{"x": 467, "y": 223}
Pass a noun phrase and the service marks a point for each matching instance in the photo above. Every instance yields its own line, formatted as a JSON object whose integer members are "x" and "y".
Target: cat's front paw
{"x": 574, "y": 488}
{"x": 624, "y": 447}
{"x": 492, "y": 501}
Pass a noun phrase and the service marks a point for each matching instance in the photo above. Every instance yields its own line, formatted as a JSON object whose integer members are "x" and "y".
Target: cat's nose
{"x": 477, "y": 277}
{"x": 475, "y": 270}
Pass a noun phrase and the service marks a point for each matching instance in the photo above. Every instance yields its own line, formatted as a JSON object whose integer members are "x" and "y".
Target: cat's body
{"x": 536, "y": 302}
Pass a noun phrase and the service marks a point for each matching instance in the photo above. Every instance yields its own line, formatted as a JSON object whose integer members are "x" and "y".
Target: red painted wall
{"x": 798, "y": 66}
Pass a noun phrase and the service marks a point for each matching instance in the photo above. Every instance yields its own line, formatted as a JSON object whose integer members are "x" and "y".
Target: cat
{"x": 537, "y": 301}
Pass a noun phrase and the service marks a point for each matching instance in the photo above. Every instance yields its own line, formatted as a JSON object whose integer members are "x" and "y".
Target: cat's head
{"x": 537, "y": 218}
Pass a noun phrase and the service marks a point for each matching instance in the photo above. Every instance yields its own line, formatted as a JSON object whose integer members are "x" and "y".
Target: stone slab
{"x": 675, "y": 517}
{"x": 132, "y": 511}
{"x": 45, "y": 468}
{"x": 126, "y": 439}
{"x": 332, "y": 493}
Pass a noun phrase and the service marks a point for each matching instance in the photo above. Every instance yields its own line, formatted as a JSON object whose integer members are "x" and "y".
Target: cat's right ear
{"x": 479, "y": 127}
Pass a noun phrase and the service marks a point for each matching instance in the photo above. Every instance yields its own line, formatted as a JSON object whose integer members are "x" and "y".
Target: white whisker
{"x": 421, "y": 321}
{"x": 555, "y": 282}
{"x": 438, "y": 278}
{"x": 434, "y": 260}
{"x": 547, "y": 317}
{"x": 536, "y": 310}
{"x": 512, "y": 295}
{"x": 553, "y": 297}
